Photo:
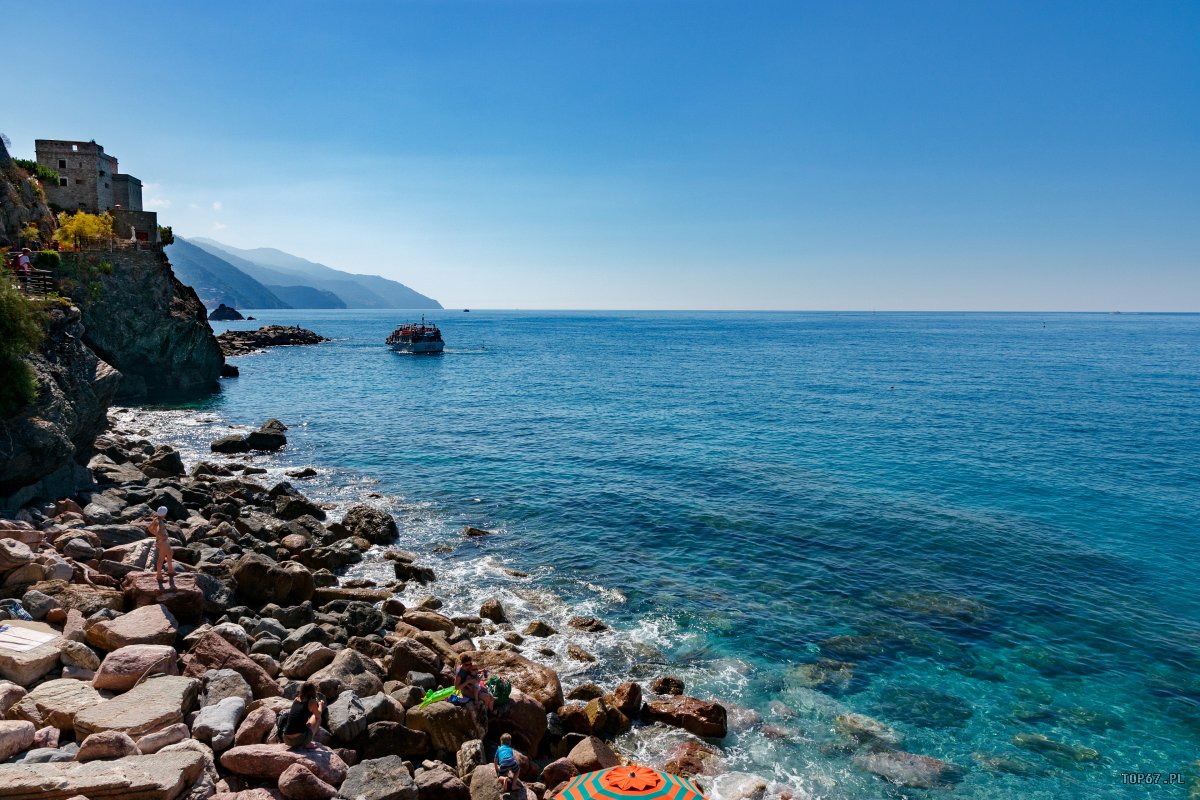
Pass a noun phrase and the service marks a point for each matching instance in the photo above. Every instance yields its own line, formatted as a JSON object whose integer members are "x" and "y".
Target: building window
{"x": 62, "y": 181}
{"x": 106, "y": 185}
{"x": 78, "y": 181}
{"x": 62, "y": 163}
{"x": 74, "y": 148}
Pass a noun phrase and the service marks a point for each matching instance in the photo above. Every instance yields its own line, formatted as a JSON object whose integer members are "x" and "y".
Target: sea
{"x": 980, "y": 530}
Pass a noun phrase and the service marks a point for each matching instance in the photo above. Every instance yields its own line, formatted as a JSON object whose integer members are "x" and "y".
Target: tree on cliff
{"x": 81, "y": 227}
{"x": 20, "y": 333}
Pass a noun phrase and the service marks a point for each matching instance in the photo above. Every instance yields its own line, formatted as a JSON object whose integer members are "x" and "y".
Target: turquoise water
{"x": 994, "y": 517}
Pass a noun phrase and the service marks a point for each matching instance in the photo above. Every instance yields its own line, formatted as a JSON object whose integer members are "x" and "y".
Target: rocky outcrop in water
{"x": 43, "y": 447}
{"x": 239, "y": 343}
{"x": 138, "y": 317}
{"x": 225, "y": 313}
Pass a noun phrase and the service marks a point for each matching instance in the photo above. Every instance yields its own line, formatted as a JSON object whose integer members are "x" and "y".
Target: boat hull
{"x": 418, "y": 348}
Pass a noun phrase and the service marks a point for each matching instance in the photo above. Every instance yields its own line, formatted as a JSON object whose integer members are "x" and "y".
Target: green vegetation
{"x": 166, "y": 236}
{"x": 81, "y": 227}
{"x": 21, "y": 332}
{"x": 30, "y": 233}
{"x": 48, "y": 260}
{"x": 79, "y": 275}
{"x": 39, "y": 171}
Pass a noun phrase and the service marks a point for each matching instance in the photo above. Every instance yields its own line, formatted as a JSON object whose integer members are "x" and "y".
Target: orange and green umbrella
{"x": 629, "y": 783}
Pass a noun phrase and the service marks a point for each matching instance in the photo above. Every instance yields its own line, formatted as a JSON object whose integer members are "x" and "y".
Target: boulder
{"x": 867, "y": 730}
{"x": 667, "y": 684}
{"x": 15, "y": 737}
{"x": 587, "y": 624}
{"x": 125, "y": 666}
{"x": 262, "y": 580}
{"x": 372, "y": 524}
{"x": 379, "y": 779}
{"x": 627, "y": 698}
{"x": 146, "y": 625}
{"x": 256, "y": 727}
{"x": 216, "y": 724}
{"x": 14, "y": 554}
{"x": 539, "y": 629}
{"x": 77, "y": 654}
{"x": 538, "y": 681}
{"x": 85, "y": 598}
{"x": 266, "y": 762}
{"x": 524, "y": 718}
{"x": 909, "y": 769}
{"x": 152, "y": 705}
{"x": 306, "y": 634}
{"x": 219, "y": 684}
{"x": 230, "y": 444}
{"x": 24, "y": 667}
{"x": 391, "y": 738}
{"x": 10, "y": 695}
{"x": 162, "y": 776}
{"x": 471, "y": 755}
{"x": 349, "y": 670}
{"x": 183, "y": 596}
{"x": 299, "y": 783}
{"x": 493, "y": 610}
{"x": 559, "y": 771}
{"x": 211, "y": 651}
{"x": 268, "y": 437}
{"x": 428, "y": 620}
{"x": 106, "y": 745}
{"x": 448, "y": 725}
{"x": 484, "y": 784}
{"x": 690, "y": 758}
{"x": 56, "y": 703}
{"x": 440, "y": 783}
{"x": 306, "y": 660}
{"x": 172, "y": 734}
{"x": 409, "y": 655}
{"x": 701, "y": 717}
{"x": 592, "y": 754}
{"x": 349, "y": 715}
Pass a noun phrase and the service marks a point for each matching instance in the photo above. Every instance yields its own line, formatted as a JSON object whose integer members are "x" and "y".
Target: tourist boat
{"x": 412, "y": 337}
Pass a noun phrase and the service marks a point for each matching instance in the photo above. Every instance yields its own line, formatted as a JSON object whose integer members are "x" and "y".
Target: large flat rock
{"x": 153, "y": 624}
{"x": 158, "y": 702}
{"x": 56, "y": 703}
{"x": 25, "y": 667}
{"x": 266, "y": 762}
{"x": 162, "y": 776}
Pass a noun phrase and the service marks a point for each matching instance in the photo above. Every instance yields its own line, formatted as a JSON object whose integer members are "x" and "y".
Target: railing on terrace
{"x": 34, "y": 283}
{"x": 111, "y": 244}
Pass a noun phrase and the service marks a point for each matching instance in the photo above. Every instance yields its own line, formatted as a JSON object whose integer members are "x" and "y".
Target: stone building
{"x": 89, "y": 181}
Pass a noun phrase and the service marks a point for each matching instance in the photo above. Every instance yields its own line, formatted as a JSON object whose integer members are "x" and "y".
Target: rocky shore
{"x": 128, "y": 688}
{"x": 239, "y": 343}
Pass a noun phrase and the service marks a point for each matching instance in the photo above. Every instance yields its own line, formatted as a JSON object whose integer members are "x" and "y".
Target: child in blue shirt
{"x": 506, "y": 764}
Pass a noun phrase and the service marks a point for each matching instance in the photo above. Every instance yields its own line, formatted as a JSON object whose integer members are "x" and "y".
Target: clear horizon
{"x": 659, "y": 156}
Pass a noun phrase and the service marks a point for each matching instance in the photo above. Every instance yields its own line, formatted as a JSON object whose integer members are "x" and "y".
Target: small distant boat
{"x": 413, "y": 337}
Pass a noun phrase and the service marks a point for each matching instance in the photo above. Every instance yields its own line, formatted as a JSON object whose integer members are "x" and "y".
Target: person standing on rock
{"x": 506, "y": 763}
{"x": 163, "y": 554}
{"x": 304, "y": 717}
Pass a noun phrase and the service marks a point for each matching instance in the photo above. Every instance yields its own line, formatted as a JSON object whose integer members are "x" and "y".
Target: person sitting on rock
{"x": 506, "y": 763}
{"x": 304, "y": 717}
{"x": 163, "y": 554}
{"x": 469, "y": 682}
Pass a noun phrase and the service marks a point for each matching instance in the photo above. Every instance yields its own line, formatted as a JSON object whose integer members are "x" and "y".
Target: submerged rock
{"x": 924, "y": 707}
{"x": 1060, "y": 753}
{"x": 911, "y": 770}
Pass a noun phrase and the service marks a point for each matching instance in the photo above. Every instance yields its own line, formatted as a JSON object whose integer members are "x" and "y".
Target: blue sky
{"x": 569, "y": 154}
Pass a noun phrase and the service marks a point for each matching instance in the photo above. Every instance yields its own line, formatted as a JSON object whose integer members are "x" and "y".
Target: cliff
{"x": 140, "y": 318}
{"x": 22, "y": 202}
{"x": 42, "y": 448}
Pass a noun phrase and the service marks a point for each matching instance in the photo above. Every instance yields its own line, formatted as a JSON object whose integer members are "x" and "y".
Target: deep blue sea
{"x": 994, "y": 518}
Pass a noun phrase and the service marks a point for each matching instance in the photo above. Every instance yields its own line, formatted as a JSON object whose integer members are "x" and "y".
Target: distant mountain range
{"x": 270, "y": 278}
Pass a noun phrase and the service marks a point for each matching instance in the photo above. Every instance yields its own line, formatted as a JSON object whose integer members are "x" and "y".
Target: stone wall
{"x": 127, "y": 192}
{"x": 144, "y": 222}
{"x": 86, "y": 174}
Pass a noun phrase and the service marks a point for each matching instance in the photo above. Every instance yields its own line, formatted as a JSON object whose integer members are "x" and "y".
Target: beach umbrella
{"x": 623, "y": 783}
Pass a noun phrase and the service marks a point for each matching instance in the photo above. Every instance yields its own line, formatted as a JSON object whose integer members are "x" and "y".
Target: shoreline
{"x": 229, "y": 536}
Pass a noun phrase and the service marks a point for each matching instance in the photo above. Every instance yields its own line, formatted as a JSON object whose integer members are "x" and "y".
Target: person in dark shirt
{"x": 304, "y": 718}
{"x": 469, "y": 682}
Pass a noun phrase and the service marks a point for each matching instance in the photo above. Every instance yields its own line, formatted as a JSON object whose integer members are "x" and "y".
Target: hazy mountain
{"x": 277, "y": 268}
{"x": 307, "y": 297}
{"x": 217, "y": 281}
